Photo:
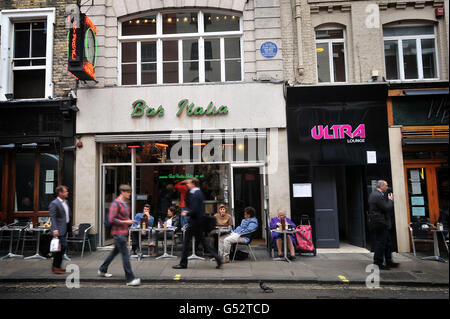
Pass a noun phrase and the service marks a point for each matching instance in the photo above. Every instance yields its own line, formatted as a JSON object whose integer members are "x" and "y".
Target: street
{"x": 180, "y": 290}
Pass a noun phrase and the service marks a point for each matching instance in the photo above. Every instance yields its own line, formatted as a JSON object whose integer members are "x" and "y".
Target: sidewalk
{"x": 328, "y": 267}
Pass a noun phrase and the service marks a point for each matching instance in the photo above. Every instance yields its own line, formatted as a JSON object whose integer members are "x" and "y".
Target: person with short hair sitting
{"x": 139, "y": 219}
{"x": 277, "y": 222}
{"x": 249, "y": 224}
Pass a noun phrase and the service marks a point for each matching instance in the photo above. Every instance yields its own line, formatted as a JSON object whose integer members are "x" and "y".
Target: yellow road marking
{"x": 343, "y": 279}
{"x": 177, "y": 277}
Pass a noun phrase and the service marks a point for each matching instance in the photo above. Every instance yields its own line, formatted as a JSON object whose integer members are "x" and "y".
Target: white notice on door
{"x": 302, "y": 190}
{"x": 371, "y": 157}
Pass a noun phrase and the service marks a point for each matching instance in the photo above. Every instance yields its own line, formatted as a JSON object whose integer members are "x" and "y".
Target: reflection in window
{"x": 24, "y": 192}
{"x": 140, "y": 26}
{"x": 219, "y": 22}
{"x": 180, "y": 23}
{"x": 116, "y": 153}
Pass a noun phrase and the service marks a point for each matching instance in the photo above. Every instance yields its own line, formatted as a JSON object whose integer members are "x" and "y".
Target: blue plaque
{"x": 268, "y": 49}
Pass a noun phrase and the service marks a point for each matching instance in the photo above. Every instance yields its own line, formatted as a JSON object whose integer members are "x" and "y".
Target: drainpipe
{"x": 298, "y": 21}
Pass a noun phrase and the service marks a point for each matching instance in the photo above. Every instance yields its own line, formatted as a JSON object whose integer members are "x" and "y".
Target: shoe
{"x": 154, "y": 254}
{"x": 134, "y": 282}
{"x": 392, "y": 265}
{"x": 58, "y": 271}
{"x": 225, "y": 261}
{"x": 104, "y": 274}
{"x": 292, "y": 257}
{"x": 219, "y": 264}
{"x": 152, "y": 244}
{"x": 179, "y": 267}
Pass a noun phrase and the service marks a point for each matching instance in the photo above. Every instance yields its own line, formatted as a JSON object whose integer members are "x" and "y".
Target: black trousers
{"x": 58, "y": 256}
{"x": 198, "y": 233}
{"x": 383, "y": 246}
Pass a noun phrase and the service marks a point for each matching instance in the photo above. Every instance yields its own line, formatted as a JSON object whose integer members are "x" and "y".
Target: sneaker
{"x": 225, "y": 261}
{"x": 134, "y": 282}
{"x": 104, "y": 274}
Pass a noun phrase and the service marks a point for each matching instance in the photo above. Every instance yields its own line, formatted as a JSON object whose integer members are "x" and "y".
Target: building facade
{"x": 37, "y": 111}
{"x": 354, "y": 55}
{"x": 185, "y": 89}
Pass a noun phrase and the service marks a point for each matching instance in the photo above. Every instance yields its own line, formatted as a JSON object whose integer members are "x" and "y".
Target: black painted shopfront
{"x": 338, "y": 148}
{"x": 37, "y": 153}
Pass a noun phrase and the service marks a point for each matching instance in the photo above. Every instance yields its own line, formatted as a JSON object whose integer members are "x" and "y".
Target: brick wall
{"x": 62, "y": 81}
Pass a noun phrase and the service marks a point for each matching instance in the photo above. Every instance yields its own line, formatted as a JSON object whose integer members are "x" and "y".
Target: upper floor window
{"x": 187, "y": 47}
{"x": 29, "y": 59}
{"x": 410, "y": 53}
{"x": 330, "y": 50}
{"x": 27, "y": 53}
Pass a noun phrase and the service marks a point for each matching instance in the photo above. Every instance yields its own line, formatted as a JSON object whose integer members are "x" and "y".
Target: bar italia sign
{"x": 140, "y": 108}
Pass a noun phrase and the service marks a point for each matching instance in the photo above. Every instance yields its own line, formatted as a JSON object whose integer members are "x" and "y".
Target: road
{"x": 210, "y": 291}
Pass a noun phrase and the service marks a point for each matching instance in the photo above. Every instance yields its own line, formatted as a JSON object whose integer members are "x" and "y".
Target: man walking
{"x": 380, "y": 208}
{"x": 60, "y": 215}
{"x": 196, "y": 225}
{"x": 119, "y": 218}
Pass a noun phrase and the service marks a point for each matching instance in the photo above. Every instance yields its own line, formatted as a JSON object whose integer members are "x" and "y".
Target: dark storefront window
{"x": 24, "y": 196}
{"x": 1, "y": 181}
{"x": 421, "y": 110}
{"x": 48, "y": 179}
{"x": 116, "y": 153}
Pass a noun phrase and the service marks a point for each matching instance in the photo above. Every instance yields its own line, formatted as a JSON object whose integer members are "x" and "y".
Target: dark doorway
{"x": 247, "y": 192}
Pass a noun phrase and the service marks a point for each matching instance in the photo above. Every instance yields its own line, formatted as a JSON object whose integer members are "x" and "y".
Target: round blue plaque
{"x": 268, "y": 49}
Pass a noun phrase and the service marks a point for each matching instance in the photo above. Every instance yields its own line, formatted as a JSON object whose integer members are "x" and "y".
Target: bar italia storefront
{"x": 231, "y": 137}
{"x": 338, "y": 149}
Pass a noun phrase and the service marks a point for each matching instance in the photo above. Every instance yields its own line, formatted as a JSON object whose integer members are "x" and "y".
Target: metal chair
{"x": 249, "y": 247}
{"x": 419, "y": 234}
{"x": 82, "y": 237}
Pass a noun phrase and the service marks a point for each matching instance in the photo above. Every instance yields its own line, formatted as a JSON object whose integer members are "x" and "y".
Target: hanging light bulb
{"x": 153, "y": 21}
{"x": 185, "y": 19}
{"x": 178, "y": 19}
{"x": 169, "y": 20}
{"x": 224, "y": 17}
{"x": 233, "y": 17}
{"x": 138, "y": 21}
{"x": 145, "y": 20}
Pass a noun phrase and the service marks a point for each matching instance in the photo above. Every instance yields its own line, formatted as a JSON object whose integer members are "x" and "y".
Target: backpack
{"x": 107, "y": 222}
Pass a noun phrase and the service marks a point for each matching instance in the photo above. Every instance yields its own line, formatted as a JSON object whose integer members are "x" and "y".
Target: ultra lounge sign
{"x": 339, "y": 132}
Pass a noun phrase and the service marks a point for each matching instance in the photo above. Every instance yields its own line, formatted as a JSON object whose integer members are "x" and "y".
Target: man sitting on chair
{"x": 249, "y": 224}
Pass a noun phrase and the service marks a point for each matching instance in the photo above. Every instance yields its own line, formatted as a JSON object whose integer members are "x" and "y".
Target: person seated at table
{"x": 223, "y": 219}
{"x": 139, "y": 220}
{"x": 277, "y": 222}
{"x": 172, "y": 220}
{"x": 248, "y": 225}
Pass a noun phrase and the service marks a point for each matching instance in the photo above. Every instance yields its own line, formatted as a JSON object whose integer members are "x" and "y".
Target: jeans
{"x": 58, "y": 256}
{"x": 120, "y": 246}
{"x": 383, "y": 246}
{"x": 227, "y": 241}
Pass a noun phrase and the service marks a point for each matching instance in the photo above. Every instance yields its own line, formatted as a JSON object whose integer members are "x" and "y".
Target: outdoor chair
{"x": 419, "y": 234}
{"x": 81, "y": 237}
{"x": 249, "y": 247}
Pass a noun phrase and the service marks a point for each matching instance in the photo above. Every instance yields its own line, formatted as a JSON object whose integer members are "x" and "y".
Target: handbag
{"x": 55, "y": 245}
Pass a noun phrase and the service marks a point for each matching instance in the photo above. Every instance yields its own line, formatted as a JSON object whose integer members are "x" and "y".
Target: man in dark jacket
{"x": 380, "y": 208}
{"x": 196, "y": 225}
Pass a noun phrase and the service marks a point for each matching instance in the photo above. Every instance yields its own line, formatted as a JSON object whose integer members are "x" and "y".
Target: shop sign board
{"x": 339, "y": 132}
{"x": 140, "y": 108}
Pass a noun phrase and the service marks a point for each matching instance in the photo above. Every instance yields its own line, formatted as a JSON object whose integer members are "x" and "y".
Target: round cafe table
{"x": 285, "y": 233}
{"x": 140, "y": 230}
{"x": 165, "y": 230}
{"x": 38, "y": 230}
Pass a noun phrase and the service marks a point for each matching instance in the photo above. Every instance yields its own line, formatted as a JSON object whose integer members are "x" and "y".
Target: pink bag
{"x": 304, "y": 238}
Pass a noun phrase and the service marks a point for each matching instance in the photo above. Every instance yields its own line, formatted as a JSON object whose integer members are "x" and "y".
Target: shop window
{"x": 421, "y": 110}
{"x": 116, "y": 153}
{"x": 330, "y": 50}
{"x": 410, "y": 53}
{"x": 31, "y": 194}
{"x": 182, "y": 49}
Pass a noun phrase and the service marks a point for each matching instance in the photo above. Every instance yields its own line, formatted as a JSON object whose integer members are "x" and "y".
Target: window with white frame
{"x": 410, "y": 53}
{"x": 182, "y": 47}
{"x": 331, "y": 59}
{"x": 26, "y": 53}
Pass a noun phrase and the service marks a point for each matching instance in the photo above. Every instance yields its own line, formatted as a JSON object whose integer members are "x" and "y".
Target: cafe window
{"x": 36, "y": 178}
{"x": 410, "y": 53}
{"x": 330, "y": 51}
{"x": 187, "y": 47}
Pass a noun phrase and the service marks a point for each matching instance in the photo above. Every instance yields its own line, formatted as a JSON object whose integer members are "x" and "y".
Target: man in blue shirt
{"x": 241, "y": 234}
{"x": 138, "y": 220}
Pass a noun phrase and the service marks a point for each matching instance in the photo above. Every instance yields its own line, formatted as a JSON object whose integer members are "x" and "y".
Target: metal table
{"x": 193, "y": 256}
{"x": 284, "y": 232}
{"x": 165, "y": 230}
{"x": 140, "y": 230}
{"x": 12, "y": 228}
{"x": 436, "y": 256}
{"x": 38, "y": 231}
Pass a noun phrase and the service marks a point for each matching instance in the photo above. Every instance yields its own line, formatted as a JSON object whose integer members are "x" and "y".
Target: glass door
{"x": 113, "y": 177}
